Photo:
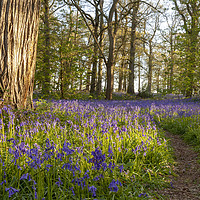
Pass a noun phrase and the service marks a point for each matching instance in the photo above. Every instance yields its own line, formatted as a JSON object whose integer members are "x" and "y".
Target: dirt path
{"x": 186, "y": 186}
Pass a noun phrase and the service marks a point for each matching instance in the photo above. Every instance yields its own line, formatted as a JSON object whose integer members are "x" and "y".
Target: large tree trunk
{"x": 18, "y": 42}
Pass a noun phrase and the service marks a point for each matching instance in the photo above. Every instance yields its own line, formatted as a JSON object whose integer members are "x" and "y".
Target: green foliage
{"x": 188, "y": 127}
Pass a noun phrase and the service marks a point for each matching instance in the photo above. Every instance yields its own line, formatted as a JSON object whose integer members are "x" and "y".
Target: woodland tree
{"x": 189, "y": 13}
{"x": 19, "y": 22}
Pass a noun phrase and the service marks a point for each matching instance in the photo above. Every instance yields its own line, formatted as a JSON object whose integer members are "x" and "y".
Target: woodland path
{"x": 186, "y": 185}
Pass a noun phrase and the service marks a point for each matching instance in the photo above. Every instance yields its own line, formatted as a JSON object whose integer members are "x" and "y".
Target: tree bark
{"x": 112, "y": 37}
{"x": 150, "y": 65}
{"x": 46, "y": 70}
{"x": 95, "y": 53}
{"x": 99, "y": 82}
{"x": 133, "y": 49}
{"x": 88, "y": 76}
{"x": 110, "y": 72}
{"x": 19, "y": 21}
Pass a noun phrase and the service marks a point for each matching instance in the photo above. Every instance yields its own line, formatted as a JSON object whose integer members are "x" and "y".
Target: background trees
{"x": 104, "y": 46}
{"x": 124, "y": 45}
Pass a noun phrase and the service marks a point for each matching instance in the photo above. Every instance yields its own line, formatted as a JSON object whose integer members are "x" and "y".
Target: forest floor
{"x": 186, "y": 183}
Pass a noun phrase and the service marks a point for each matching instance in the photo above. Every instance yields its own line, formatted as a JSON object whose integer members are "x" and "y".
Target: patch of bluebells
{"x": 89, "y": 122}
{"x": 113, "y": 186}
{"x": 11, "y": 191}
{"x": 93, "y": 189}
{"x": 98, "y": 159}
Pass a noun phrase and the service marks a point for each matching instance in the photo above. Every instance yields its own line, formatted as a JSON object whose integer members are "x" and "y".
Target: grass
{"x": 87, "y": 149}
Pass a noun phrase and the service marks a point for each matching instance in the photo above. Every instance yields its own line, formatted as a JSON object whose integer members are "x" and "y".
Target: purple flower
{"x": 110, "y": 151}
{"x": 121, "y": 168}
{"x": 72, "y": 189}
{"x": 3, "y": 182}
{"x": 11, "y": 191}
{"x": 24, "y": 176}
{"x": 35, "y": 194}
{"x": 66, "y": 148}
{"x": 59, "y": 183}
{"x": 113, "y": 185}
{"x": 93, "y": 189}
{"x": 48, "y": 166}
{"x": 97, "y": 159}
{"x": 143, "y": 194}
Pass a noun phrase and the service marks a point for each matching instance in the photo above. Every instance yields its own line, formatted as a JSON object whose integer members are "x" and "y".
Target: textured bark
{"x": 18, "y": 42}
{"x": 125, "y": 79}
{"x": 112, "y": 39}
{"x": 121, "y": 73}
{"x": 88, "y": 77}
{"x": 101, "y": 36}
{"x": 150, "y": 65}
{"x": 139, "y": 76}
{"x": 133, "y": 49}
{"x": 110, "y": 71}
{"x": 95, "y": 53}
{"x": 46, "y": 70}
{"x": 172, "y": 62}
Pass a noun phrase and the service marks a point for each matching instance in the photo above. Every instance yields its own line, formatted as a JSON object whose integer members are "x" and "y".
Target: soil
{"x": 186, "y": 185}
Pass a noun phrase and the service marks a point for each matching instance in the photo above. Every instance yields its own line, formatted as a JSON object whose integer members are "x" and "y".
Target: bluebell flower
{"x": 97, "y": 159}
{"x": 143, "y": 194}
{"x": 48, "y": 166}
{"x": 93, "y": 189}
{"x": 24, "y": 176}
{"x": 72, "y": 189}
{"x": 114, "y": 185}
{"x": 66, "y": 148}
{"x": 110, "y": 151}
{"x": 11, "y": 191}
{"x": 59, "y": 183}
{"x": 4, "y": 181}
{"x": 36, "y": 194}
{"x": 121, "y": 168}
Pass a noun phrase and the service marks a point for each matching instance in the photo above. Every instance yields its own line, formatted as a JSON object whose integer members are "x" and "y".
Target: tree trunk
{"x": 18, "y": 43}
{"x": 95, "y": 55}
{"x": 109, "y": 65}
{"x": 121, "y": 72}
{"x": 99, "y": 82}
{"x": 88, "y": 77}
{"x": 132, "y": 50}
{"x": 150, "y": 68}
{"x": 139, "y": 76}
{"x": 46, "y": 70}
{"x": 158, "y": 81}
{"x": 125, "y": 79}
{"x": 171, "y": 63}
{"x": 112, "y": 37}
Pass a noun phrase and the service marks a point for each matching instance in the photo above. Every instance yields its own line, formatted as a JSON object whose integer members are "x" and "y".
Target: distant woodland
{"x": 99, "y": 47}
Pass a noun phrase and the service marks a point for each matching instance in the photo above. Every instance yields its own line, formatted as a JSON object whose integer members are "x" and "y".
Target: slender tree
{"x": 134, "y": 24}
